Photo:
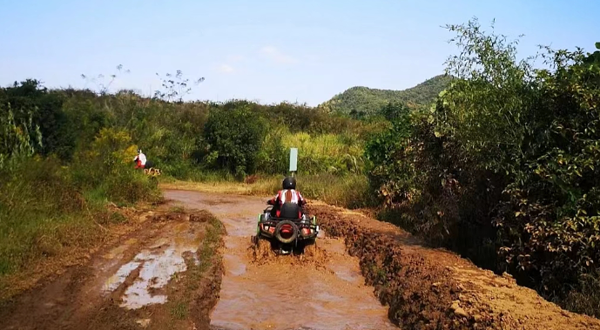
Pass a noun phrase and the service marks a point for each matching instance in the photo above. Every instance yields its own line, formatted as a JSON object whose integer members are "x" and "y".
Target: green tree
{"x": 508, "y": 165}
{"x": 46, "y": 109}
{"x": 233, "y": 139}
{"x": 388, "y": 175}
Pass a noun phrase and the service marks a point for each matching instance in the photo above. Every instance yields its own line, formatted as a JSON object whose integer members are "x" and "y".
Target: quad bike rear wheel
{"x": 286, "y": 231}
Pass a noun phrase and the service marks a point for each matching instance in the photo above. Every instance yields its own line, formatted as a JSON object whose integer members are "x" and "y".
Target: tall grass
{"x": 326, "y": 153}
{"x": 330, "y": 169}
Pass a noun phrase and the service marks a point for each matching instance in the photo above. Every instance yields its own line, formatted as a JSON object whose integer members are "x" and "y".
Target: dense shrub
{"x": 233, "y": 139}
{"x": 388, "y": 172}
{"x": 46, "y": 109}
{"x": 45, "y": 206}
{"x": 505, "y": 167}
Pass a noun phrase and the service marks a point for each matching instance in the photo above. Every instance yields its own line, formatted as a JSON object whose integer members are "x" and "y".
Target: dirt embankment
{"x": 164, "y": 275}
{"x": 435, "y": 289}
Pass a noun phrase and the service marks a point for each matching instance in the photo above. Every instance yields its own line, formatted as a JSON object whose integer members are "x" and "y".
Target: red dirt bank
{"x": 436, "y": 289}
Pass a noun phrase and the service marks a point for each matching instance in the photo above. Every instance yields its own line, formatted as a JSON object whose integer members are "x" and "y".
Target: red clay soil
{"x": 435, "y": 289}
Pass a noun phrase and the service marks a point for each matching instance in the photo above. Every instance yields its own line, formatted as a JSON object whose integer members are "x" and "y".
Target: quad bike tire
{"x": 288, "y": 239}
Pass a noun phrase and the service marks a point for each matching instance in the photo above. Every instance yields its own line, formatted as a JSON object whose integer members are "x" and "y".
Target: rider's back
{"x": 290, "y": 211}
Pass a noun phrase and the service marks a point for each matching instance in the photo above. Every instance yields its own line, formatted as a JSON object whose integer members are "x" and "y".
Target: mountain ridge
{"x": 361, "y": 100}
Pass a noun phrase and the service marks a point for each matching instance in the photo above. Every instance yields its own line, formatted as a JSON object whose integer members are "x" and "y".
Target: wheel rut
{"x": 322, "y": 291}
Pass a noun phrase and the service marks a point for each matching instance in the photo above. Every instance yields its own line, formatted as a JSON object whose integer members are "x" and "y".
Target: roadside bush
{"x": 30, "y": 98}
{"x": 273, "y": 156}
{"x": 108, "y": 167}
{"x": 326, "y": 153}
{"x": 35, "y": 196}
{"x": 507, "y": 163}
{"x": 390, "y": 169}
{"x": 233, "y": 139}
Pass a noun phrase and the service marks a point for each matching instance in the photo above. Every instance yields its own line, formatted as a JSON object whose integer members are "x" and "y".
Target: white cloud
{"x": 225, "y": 68}
{"x": 276, "y": 55}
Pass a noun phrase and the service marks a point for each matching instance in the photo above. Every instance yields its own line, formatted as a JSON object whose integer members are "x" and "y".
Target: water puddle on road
{"x": 152, "y": 268}
{"x": 281, "y": 295}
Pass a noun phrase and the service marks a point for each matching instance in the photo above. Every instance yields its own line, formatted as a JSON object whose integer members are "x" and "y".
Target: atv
{"x": 292, "y": 230}
{"x": 152, "y": 171}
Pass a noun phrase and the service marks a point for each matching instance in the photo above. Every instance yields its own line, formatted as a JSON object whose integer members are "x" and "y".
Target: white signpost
{"x": 293, "y": 160}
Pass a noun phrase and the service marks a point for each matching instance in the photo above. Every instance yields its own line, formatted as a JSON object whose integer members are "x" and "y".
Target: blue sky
{"x": 269, "y": 51}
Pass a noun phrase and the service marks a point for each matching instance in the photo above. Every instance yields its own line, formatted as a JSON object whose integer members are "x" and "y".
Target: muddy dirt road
{"x": 167, "y": 274}
{"x": 182, "y": 267}
{"x": 281, "y": 293}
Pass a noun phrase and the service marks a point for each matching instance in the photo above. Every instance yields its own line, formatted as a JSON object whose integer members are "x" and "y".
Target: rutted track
{"x": 326, "y": 292}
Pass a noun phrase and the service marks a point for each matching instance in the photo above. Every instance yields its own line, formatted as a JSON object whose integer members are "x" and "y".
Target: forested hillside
{"x": 363, "y": 101}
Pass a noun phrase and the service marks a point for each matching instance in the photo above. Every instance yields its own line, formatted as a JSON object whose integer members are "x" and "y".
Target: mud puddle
{"x": 145, "y": 276}
{"x": 283, "y": 294}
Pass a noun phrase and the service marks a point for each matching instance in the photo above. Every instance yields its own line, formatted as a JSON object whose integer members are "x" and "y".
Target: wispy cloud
{"x": 277, "y": 56}
{"x": 225, "y": 68}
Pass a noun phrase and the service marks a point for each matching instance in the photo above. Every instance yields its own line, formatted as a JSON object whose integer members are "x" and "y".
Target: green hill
{"x": 366, "y": 100}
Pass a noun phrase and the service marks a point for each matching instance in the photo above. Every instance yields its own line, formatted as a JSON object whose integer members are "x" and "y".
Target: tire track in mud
{"x": 325, "y": 292}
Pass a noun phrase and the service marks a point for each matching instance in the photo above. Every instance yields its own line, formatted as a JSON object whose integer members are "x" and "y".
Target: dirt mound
{"x": 435, "y": 289}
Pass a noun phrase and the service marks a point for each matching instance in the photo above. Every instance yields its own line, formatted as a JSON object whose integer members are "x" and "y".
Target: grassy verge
{"x": 49, "y": 218}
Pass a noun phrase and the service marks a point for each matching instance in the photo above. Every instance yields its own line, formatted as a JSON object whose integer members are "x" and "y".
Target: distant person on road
{"x": 287, "y": 194}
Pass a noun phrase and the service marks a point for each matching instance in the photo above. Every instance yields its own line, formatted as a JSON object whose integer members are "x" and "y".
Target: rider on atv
{"x": 141, "y": 161}
{"x": 287, "y": 194}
